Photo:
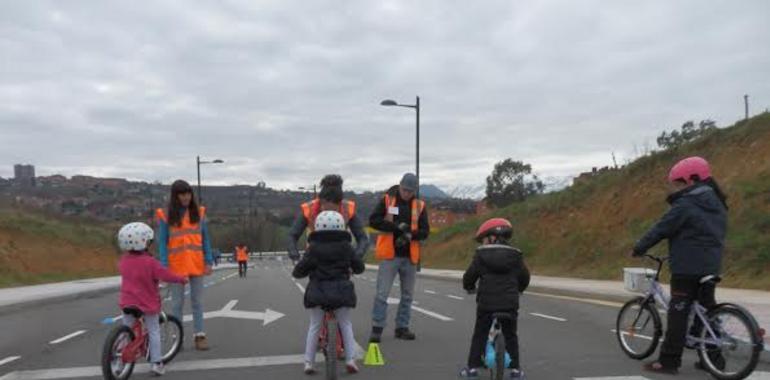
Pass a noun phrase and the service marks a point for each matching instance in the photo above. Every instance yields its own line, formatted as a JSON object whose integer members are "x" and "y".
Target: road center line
{"x": 548, "y": 317}
{"x": 68, "y": 337}
{"x": 9, "y": 359}
{"x": 455, "y": 297}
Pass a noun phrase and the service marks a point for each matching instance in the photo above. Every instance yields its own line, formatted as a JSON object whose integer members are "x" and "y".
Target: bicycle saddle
{"x": 133, "y": 311}
{"x": 710, "y": 278}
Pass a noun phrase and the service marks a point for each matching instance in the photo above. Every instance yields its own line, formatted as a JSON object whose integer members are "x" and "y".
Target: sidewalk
{"x": 756, "y": 301}
{"x": 23, "y": 296}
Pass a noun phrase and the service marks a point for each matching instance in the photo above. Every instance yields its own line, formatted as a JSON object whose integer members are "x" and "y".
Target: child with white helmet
{"x": 329, "y": 260}
{"x": 140, "y": 274}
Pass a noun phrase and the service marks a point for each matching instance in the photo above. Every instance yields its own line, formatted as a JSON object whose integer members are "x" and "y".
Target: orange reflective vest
{"x": 185, "y": 245}
{"x": 386, "y": 248}
{"x": 241, "y": 253}
{"x": 311, "y": 210}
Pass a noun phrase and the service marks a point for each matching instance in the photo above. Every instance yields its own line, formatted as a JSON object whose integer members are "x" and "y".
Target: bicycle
{"x": 496, "y": 358}
{"x": 330, "y": 341}
{"x": 125, "y": 345}
{"x": 728, "y": 339}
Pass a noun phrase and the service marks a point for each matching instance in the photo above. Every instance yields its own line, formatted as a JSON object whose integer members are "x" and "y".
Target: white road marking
{"x": 197, "y": 365}
{"x": 266, "y": 317}
{"x": 455, "y": 297}
{"x": 301, "y": 288}
{"x": 395, "y": 301}
{"x": 548, "y": 317}
{"x": 584, "y": 300}
{"x": 9, "y": 359}
{"x": 429, "y": 291}
{"x": 635, "y": 335}
{"x": 67, "y": 337}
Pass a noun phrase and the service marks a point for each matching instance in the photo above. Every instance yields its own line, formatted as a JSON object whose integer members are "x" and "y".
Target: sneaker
{"x": 201, "y": 343}
{"x": 469, "y": 373}
{"x": 309, "y": 370}
{"x": 376, "y": 336}
{"x": 157, "y": 369}
{"x": 405, "y": 334}
{"x": 517, "y": 374}
{"x": 351, "y": 366}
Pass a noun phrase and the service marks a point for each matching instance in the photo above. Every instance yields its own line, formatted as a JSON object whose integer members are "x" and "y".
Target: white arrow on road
{"x": 227, "y": 312}
{"x": 395, "y": 301}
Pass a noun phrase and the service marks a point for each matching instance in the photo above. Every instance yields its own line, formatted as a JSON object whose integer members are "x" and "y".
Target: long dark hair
{"x": 712, "y": 183}
{"x": 175, "y": 213}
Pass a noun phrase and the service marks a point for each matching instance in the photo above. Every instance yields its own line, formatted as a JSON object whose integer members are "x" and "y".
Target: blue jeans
{"x": 196, "y": 295}
{"x": 387, "y": 273}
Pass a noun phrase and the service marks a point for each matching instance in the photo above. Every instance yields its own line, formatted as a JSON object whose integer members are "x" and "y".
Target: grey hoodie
{"x": 695, "y": 227}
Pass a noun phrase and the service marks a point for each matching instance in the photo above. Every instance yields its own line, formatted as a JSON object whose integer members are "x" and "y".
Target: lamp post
{"x": 416, "y": 107}
{"x": 198, "y": 163}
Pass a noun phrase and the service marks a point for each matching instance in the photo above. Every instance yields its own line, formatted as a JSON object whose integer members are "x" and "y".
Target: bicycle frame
{"x": 322, "y": 335}
{"x": 138, "y": 347}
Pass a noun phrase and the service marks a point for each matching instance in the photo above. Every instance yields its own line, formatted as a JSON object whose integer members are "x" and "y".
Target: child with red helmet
{"x": 501, "y": 274}
{"x": 695, "y": 227}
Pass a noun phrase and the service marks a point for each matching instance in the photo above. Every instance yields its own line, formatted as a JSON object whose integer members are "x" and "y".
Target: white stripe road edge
{"x": 548, "y": 317}
{"x": 9, "y": 359}
{"x": 81, "y": 372}
{"x": 455, "y": 297}
{"x": 67, "y": 337}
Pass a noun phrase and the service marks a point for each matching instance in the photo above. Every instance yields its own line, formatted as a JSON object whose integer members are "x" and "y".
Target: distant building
{"x": 53, "y": 181}
{"x": 24, "y": 175}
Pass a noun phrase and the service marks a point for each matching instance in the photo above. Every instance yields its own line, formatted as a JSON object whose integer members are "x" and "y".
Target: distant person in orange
{"x": 242, "y": 257}
{"x": 184, "y": 248}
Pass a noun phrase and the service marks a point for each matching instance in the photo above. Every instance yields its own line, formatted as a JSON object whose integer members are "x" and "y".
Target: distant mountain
{"x": 432, "y": 191}
{"x": 474, "y": 192}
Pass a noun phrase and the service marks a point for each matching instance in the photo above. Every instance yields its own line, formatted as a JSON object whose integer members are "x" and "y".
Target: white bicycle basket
{"x": 638, "y": 280}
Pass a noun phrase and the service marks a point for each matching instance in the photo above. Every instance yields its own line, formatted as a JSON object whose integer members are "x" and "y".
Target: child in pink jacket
{"x": 140, "y": 276}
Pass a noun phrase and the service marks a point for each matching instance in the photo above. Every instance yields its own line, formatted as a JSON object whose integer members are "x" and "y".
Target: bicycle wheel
{"x": 638, "y": 328}
{"x": 499, "y": 357}
{"x": 113, "y": 367}
{"x": 331, "y": 351}
{"x": 171, "y": 337}
{"x": 733, "y": 353}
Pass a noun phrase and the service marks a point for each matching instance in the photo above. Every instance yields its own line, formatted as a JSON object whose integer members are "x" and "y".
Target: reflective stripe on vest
{"x": 241, "y": 254}
{"x": 310, "y": 211}
{"x": 385, "y": 248}
{"x": 185, "y": 245}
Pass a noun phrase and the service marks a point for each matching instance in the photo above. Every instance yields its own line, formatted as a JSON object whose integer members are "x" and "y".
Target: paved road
{"x": 560, "y": 338}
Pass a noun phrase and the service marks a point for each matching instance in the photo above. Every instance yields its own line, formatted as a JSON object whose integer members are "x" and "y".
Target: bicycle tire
{"x": 108, "y": 354}
{"x": 178, "y": 337}
{"x": 331, "y": 349}
{"x": 499, "y": 357}
{"x": 753, "y": 329}
{"x": 644, "y": 305}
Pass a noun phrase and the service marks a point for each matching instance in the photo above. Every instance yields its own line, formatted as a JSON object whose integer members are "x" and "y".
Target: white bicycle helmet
{"x": 330, "y": 221}
{"x": 135, "y": 237}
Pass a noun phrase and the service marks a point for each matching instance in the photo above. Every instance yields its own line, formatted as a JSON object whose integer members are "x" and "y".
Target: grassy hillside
{"x": 586, "y": 230}
{"x": 37, "y": 248}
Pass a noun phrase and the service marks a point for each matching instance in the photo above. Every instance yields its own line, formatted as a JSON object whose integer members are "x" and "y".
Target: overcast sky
{"x": 286, "y": 91}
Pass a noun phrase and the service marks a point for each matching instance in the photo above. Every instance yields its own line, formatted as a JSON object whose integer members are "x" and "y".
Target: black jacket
{"x": 329, "y": 261}
{"x": 378, "y": 222}
{"x": 695, "y": 227}
{"x": 502, "y": 275}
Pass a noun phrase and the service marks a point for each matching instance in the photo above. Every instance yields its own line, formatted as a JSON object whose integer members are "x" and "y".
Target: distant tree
{"x": 512, "y": 181}
{"x": 689, "y": 132}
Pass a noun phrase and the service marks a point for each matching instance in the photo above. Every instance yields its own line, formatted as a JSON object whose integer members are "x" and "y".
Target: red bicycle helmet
{"x": 688, "y": 168}
{"x": 495, "y": 227}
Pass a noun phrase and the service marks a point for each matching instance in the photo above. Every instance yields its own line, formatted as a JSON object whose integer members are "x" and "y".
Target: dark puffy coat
{"x": 329, "y": 260}
{"x": 695, "y": 227}
{"x": 502, "y": 275}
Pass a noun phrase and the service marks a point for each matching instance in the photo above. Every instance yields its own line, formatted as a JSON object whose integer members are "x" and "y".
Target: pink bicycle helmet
{"x": 690, "y": 169}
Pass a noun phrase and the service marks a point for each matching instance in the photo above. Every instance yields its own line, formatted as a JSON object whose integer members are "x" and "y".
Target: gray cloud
{"x": 286, "y": 91}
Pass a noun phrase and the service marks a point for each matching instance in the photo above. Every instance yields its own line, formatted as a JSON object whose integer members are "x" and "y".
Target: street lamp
{"x": 308, "y": 189}
{"x": 416, "y": 106}
{"x": 199, "y": 163}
